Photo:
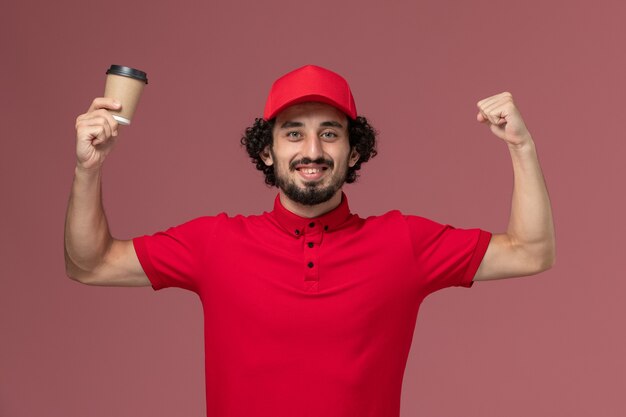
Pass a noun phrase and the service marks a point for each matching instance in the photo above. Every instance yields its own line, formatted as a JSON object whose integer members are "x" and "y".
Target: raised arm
{"x": 92, "y": 255}
{"x": 528, "y": 246}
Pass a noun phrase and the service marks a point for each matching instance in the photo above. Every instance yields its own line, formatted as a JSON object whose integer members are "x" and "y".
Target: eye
{"x": 329, "y": 135}
{"x": 294, "y": 134}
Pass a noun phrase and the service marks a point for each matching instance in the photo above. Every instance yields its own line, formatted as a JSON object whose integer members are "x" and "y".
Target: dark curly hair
{"x": 361, "y": 134}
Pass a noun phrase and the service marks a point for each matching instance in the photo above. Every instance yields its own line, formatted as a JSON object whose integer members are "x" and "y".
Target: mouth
{"x": 311, "y": 172}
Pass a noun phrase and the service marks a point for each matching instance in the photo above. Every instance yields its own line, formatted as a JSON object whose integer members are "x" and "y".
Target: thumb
{"x": 480, "y": 117}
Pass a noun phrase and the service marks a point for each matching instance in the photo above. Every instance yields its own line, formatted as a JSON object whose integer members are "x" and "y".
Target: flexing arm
{"x": 92, "y": 255}
{"x": 528, "y": 246}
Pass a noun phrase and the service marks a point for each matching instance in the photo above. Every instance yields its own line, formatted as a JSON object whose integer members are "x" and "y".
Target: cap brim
{"x": 310, "y": 98}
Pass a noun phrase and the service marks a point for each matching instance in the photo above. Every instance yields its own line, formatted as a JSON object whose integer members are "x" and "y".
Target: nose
{"x": 313, "y": 147}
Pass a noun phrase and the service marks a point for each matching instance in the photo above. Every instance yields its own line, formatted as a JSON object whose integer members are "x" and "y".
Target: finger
{"x": 487, "y": 104}
{"x": 104, "y": 133}
{"x": 104, "y": 114}
{"x": 99, "y": 122}
{"x": 102, "y": 137}
{"x": 496, "y": 97}
{"x": 498, "y": 111}
{"x": 110, "y": 120}
{"x": 486, "y": 114}
{"x": 497, "y": 118}
{"x": 486, "y": 108}
{"x": 104, "y": 103}
{"x": 99, "y": 113}
{"x": 93, "y": 134}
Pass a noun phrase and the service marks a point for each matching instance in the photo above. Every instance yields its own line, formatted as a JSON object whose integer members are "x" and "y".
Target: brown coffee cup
{"x": 124, "y": 84}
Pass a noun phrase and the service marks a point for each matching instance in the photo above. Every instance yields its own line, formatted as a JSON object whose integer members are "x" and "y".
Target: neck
{"x": 310, "y": 211}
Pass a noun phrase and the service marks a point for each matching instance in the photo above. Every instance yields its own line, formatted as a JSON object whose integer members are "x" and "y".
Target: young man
{"x": 309, "y": 310}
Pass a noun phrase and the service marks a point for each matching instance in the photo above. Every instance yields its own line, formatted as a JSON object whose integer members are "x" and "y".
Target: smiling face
{"x": 311, "y": 154}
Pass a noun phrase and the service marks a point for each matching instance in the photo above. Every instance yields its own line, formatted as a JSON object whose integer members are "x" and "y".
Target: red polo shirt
{"x": 309, "y": 317}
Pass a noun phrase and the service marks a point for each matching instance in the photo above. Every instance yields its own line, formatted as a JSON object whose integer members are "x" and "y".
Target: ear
{"x": 266, "y": 156}
{"x": 354, "y": 157}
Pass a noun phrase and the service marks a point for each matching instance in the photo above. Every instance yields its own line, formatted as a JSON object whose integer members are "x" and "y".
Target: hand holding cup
{"x": 96, "y": 131}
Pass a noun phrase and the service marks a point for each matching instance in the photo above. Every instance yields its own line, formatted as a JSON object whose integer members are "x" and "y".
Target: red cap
{"x": 310, "y": 83}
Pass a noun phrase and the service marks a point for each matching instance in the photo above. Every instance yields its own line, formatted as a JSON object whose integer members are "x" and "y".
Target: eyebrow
{"x": 332, "y": 124}
{"x": 289, "y": 124}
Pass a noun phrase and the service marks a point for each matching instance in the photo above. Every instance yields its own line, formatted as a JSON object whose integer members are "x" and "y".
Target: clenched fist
{"x": 96, "y": 132}
{"x": 504, "y": 119}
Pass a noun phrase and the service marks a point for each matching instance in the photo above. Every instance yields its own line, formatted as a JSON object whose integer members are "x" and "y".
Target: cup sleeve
{"x": 444, "y": 255}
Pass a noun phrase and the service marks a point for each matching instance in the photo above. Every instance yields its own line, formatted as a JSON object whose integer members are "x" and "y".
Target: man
{"x": 309, "y": 310}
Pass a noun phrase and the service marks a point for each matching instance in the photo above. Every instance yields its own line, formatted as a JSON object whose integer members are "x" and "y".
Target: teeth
{"x": 310, "y": 170}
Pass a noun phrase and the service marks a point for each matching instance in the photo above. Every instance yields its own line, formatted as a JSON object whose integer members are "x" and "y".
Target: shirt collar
{"x": 297, "y": 226}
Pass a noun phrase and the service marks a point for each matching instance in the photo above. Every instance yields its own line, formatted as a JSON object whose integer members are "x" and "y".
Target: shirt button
{"x": 310, "y": 264}
{"x": 310, "y": 244}
{"x": 297, "y": 232}
{"x": 325, "y": 227}
{"x": 311, "y": 224}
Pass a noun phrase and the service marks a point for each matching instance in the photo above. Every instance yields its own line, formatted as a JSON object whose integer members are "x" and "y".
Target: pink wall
{"x": 551, "y": 345}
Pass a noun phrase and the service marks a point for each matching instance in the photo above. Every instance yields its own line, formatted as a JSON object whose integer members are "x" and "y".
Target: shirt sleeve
{"x": 446, "y": 256}
{"x": 176, "y": 257}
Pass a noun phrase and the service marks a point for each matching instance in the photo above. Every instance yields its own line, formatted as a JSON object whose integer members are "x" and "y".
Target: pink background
{"x": 551, "y": 345}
